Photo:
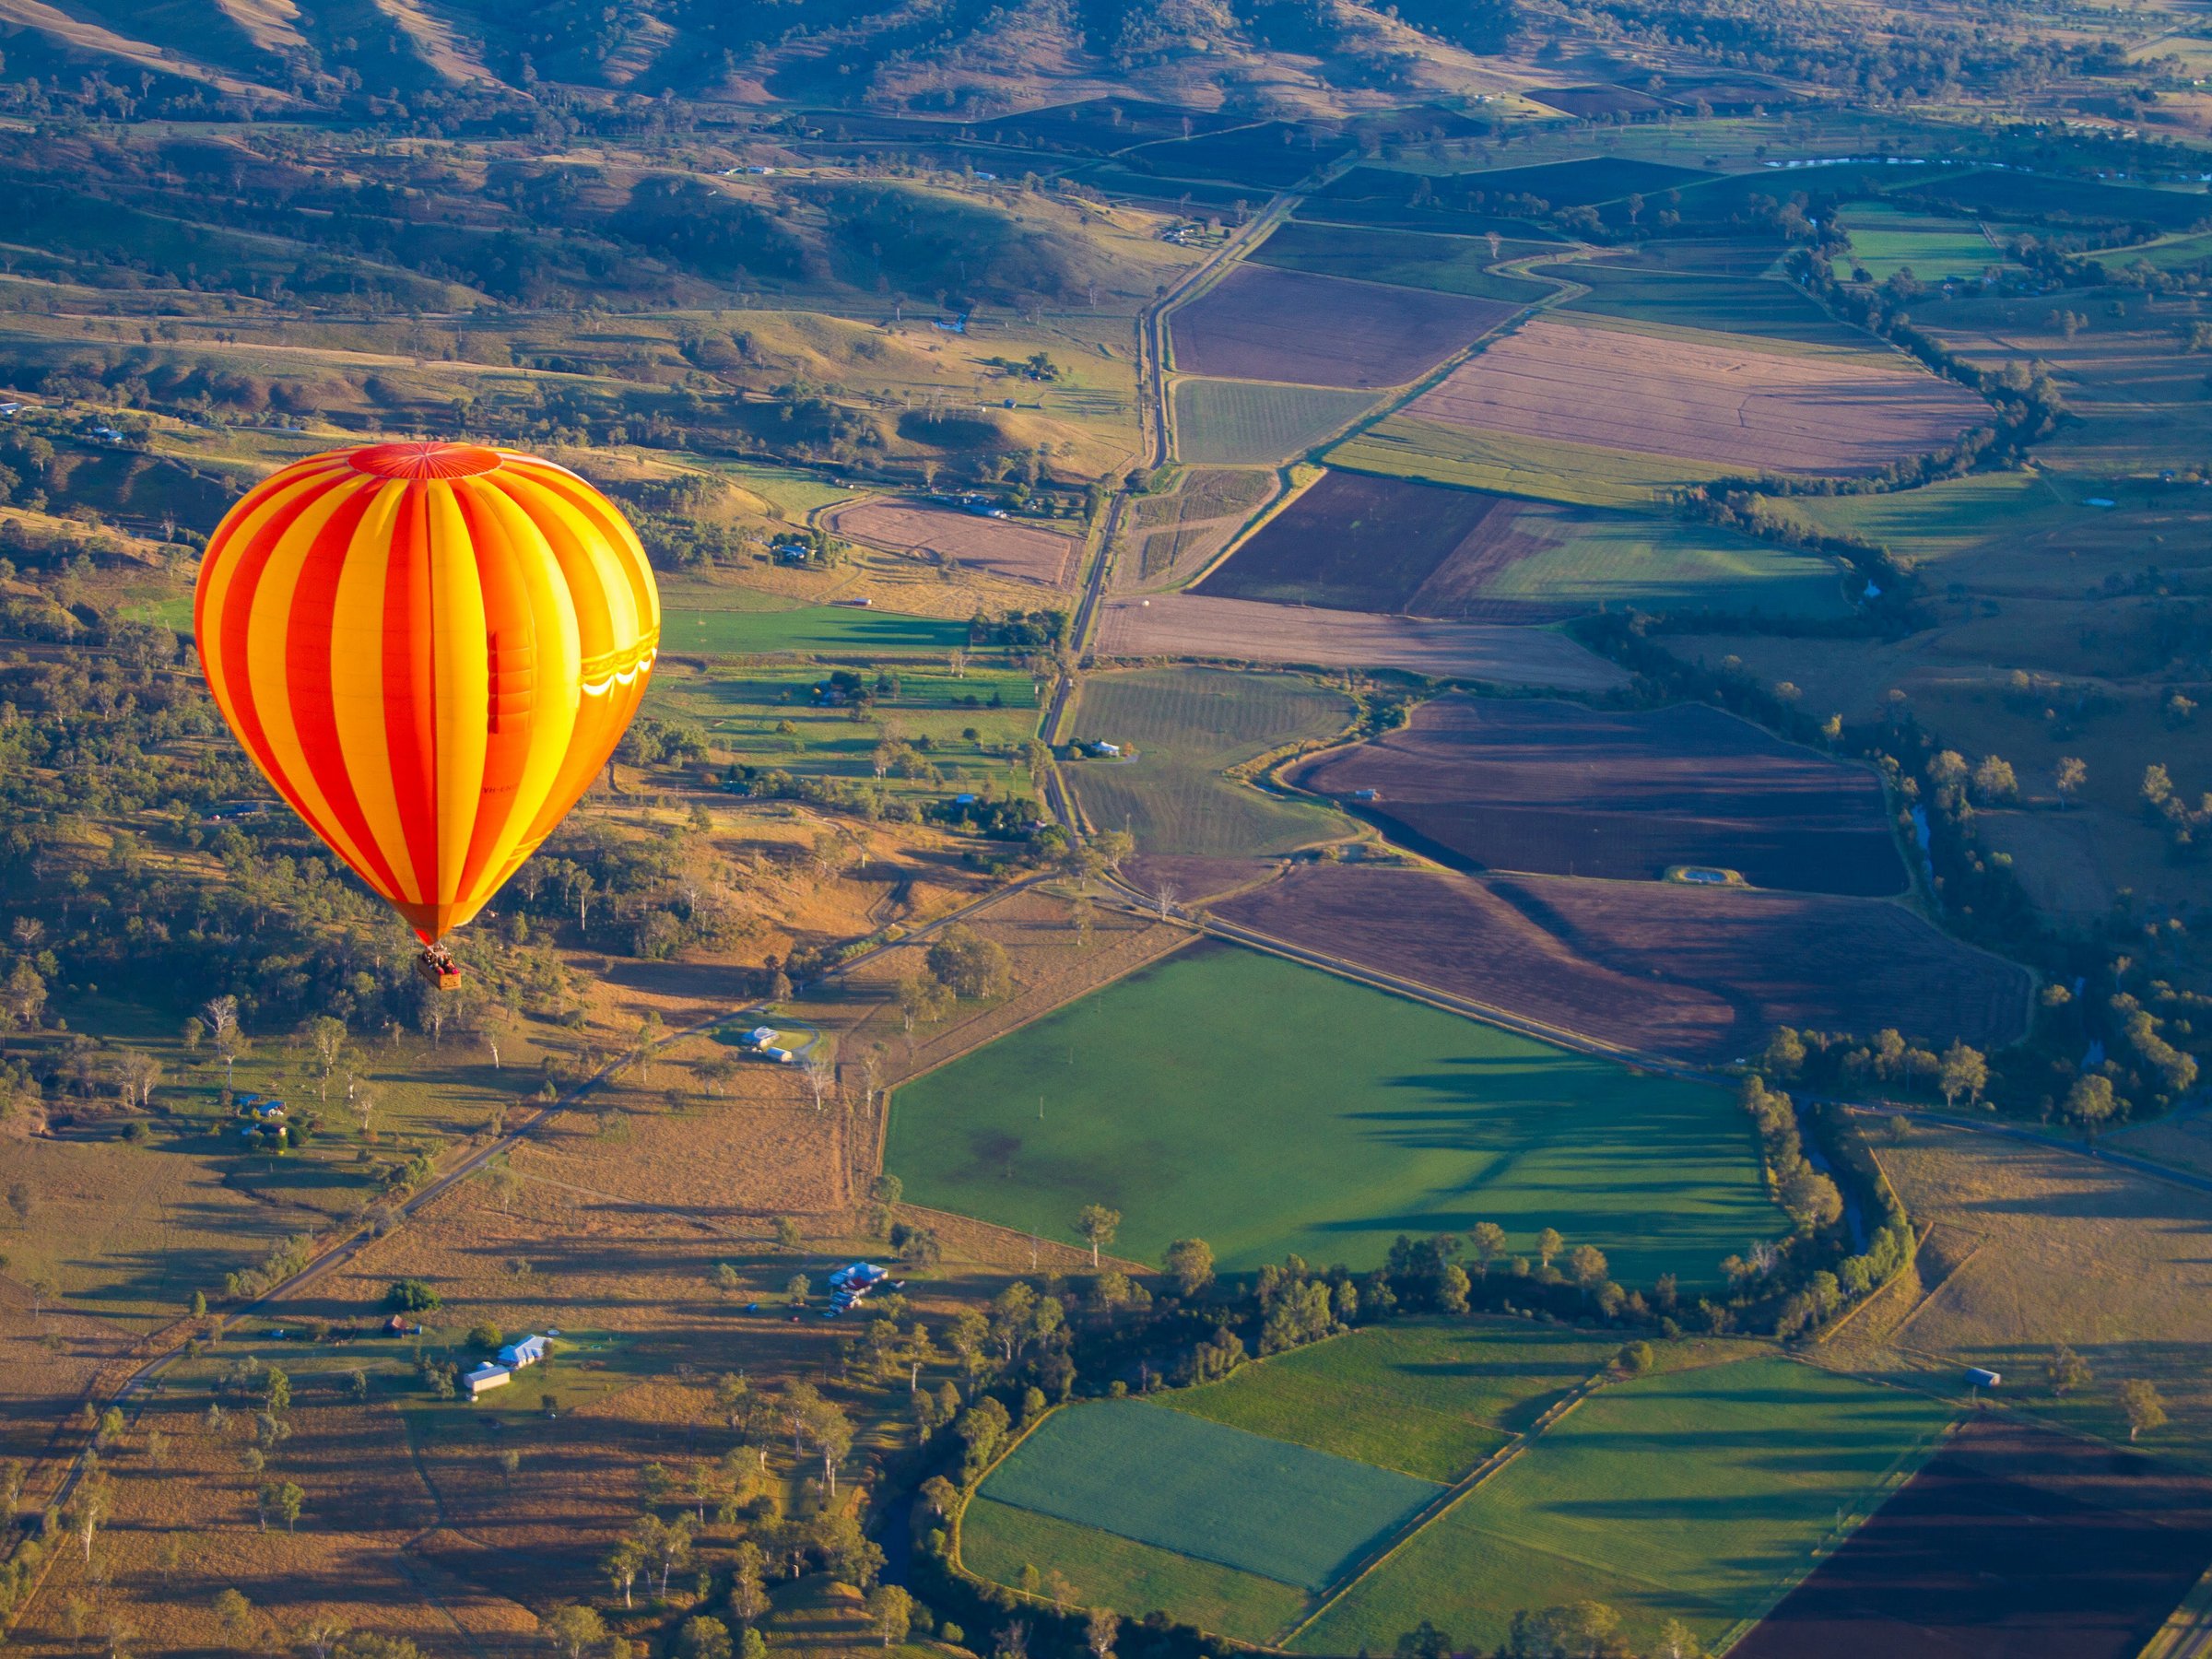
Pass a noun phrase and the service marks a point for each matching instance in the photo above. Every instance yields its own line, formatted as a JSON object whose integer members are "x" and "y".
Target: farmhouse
{"x": 486, "y": 1378}
{"x": 528, "y": 1351}
{"x": 851, "y": 1283}
{"x": 760, "y": 1037}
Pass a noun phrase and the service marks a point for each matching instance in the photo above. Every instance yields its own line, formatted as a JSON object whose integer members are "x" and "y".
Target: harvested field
{"x": 1249, "y": 421}
{"x": 1455, "y": 264}
{"x": 1245, "y": 631}
{"x": 1708, "y": 401}
{"x": 1586, "y": 103}
{"x": 1543, "y": 469}
{"x": 1267, "y": 1107}
{"x": 1557, "y": 789}
{"x": 1174, "y": 536}
{"x": 1364, "y": 541}
{"x": 1019, "y": 552}
{"x": 1703, "y": 973}
{"x": 2010, "y": 1540}
{"x": 1200, "y": 1489}
{"x": 1259, "y": 323}
{"x": 1771, "y": 309}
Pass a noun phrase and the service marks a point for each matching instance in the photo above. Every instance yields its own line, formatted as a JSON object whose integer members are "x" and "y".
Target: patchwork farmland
{"x": 999, "y": 546}
{"x": 1246, "y": 630}
{"x": 1174, "y": 536}
{"x": 1710, "y": 401}
{"x": 1258, "y": 324}
{"x": 1699, "y": 973}
{"x": 1236, "y": 421}
{"x": 1553, "y": 788}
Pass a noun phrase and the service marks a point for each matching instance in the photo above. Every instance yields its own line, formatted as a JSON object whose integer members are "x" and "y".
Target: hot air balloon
{"x": 431, "y": 649}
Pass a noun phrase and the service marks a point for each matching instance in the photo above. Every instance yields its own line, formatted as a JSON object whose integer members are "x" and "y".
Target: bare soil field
{"x": 1708, "y": 401}
{"x": 1452, "y": 932}
{"x": 1247, "y": 631}
{"x": 1356, "y": 541}
{"x": 2011, "y": 1540}
{"x": 1018, "y": 552}
{"x": 1592, "y": 103}
{"x": 1557, "y": 789}
{"x": 1264, "y": 324}
{"x": 1697, "y": 974}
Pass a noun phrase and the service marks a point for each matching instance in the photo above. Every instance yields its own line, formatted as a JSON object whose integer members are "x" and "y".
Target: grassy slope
{"x": 998, "y": 1540}
{"x": 1272, "y": 1108}
{"x": 1187, "y": 724}
{"x": 1220, "y": 420}
{"x": 1430, "y": 1398}
{"x": 1694, "y": 1494}
{"x": 1661, "y": 563}
{"x": 1181, "y": 1482}
{"x": 1579, "y": 474}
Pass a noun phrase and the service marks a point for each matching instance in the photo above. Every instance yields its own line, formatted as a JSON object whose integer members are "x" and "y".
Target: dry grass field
{"x": 1710, "y": 400}
{"x": 1248, "y": 631}
{"x": 998, "y": 546}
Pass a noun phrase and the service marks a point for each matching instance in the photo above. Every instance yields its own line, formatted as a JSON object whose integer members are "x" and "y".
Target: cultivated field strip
{"x": 1262, "y": 324}
{"x": 1018, "y": 552}
{"x": 1785, "y": 412}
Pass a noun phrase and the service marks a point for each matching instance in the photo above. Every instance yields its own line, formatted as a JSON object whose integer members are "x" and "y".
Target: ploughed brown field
{"x": 1262, "y": 324}
{"x": 1697, "y": 974}
{"x": 1355, "y": 541}
{"x": 1247, "y": 631}
{"x": 1557, "y": 789}
{"x": 1019, "y": 552}
{"x": 1700, "y": 400}
{"x": 2010, "y": 1543}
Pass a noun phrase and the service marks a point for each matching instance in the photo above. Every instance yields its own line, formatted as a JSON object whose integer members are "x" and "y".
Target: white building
{"x": 486, "y": 1378}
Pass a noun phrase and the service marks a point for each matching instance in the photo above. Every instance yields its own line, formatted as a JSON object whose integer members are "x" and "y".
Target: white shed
{"x": 486, "y": 1378}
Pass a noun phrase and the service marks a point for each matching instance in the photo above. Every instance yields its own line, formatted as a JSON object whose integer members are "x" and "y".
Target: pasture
{"x": 1185, "y": 727}
{"x": 1406, "y": 446}
{"x": 2041, "y": 197}
{"x": 1695, "y": 973}
{"x": 1555, "y": 788}
{"x": 2011, "y": 1539}
{"x": 1713, "y": 401}
{"x": 1269, "y": 1107}
{"x": 1886, "y": 239}
{"x": 1006, "y": 547}
{"x": 1694, "y": 1494}
{"x": 1762, "y": 308}
{"x": 1261, "y": 324}
{"x": 1429, "y": 1397}
{"x": 1452, "y": 264}
{"x": 1243, "y": 421}
{"x": 1201, "y": 1488}
{"x": 1249, "y": 631}
{"x": 822, "y": 629}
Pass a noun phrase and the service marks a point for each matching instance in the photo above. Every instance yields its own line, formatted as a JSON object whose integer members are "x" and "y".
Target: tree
{"x": 821, "y": 1076}
{"x": 2072, "y": 776}
{"x": 1963, "y": 1070}
{"x": 140, "y": 1073}
{"x": 1100, "y": 1632}
{"x": 280, "y": 1499}
{"x": 412, "y": 1296}
{"x": 1678, "y": 1640}
{"x": 1097, "y": 1225}
{"x": 1487, "y": 1239}
{"x": 2068, "y": 1370}
{"x": 1586, "y": 1266}
{"x": 1190, "y": 1262}
{"x": 749, "y": 1595}
{"x": 2139, "y": 1398}
{"x": 2090, "y": 1102}
{"x": 726, "y": 1278}
{"x": 234, "y": 1616}
{"x": 1993, "y": 781}
{"x": 621, "y": 1566}
{"x": 573, "y": 1630}
{"x": 326, "y": 1040}
{"x": 88, "y": 1510}
{"x": 891, "y": 1611}
{"x": 703, "y": 1638}
{"x": 922, "y": 1000}
{"x": 971, "y": 965}
{"x": 666, "y": 1544}
{"x": 1549, "y": 1245}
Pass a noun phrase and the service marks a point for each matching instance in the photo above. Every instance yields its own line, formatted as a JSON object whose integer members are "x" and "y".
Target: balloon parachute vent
{"x": 425, "y": 460}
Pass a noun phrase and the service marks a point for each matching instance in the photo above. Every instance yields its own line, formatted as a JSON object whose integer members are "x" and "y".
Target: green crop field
{"x": 1454, "y": 264}
{"x": 1218, "y": 1494}
{"x": 1269, "y": 1107}
{"x": 1218, "y": 420}
{"x": 1429, "y": 1397}
{"x": 1585, "y": 558}
{"x": 1886, "y": 239}
{"x": 1580, "y": 474}
{"x": 998, "y": 1540}
{"x": 1696, "y": 1494}
{"x": 1186, "y": 725}
{"x": 821, "y": 629}
{"x": 1759, "y": 307}
{"x": 1947, "y": 518}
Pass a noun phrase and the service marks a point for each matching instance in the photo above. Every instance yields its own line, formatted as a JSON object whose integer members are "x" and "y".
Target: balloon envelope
{"x": 431, "y": 649}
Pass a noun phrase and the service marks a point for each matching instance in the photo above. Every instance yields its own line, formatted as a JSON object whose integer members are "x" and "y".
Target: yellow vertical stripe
{"x": 357, "y": 684}
{"x": 218, "y": 573}
{"x": 461, "y": 667}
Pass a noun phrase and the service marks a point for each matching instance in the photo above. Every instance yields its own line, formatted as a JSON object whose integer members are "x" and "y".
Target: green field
{"x": 1580, "y": 474}
{"x": 1943, "y": 519}
{"x": 1697, "y": 1495}
{"x": 1886, "y": 239}
{"x": 1218, "y": 420}
{"x": 1186, "y": 725}
{"x": 1269, "y": 1107}
{"x": 824, "y": 629}
{"x": 1759, "y": 307}
{"x": 1454, "y": 264}
{"x": 1427, "y": 1398}
{"x": 998, "y": 1540}
{"x": 1585, "y": 559}
{"x": 1200, "y": 1489}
